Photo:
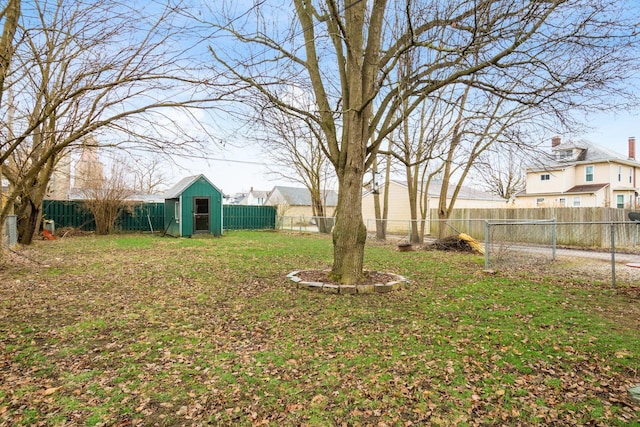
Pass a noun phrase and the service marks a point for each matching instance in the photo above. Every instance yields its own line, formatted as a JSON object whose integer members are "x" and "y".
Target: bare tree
{"x": 10, "y": 13}
{"x": 346, "y": 51}
{"x": 294, "y": 147}
{"x": 500, "y": 171}
{"x": 147, "y": 174}
{"x": 106, "y": 199}
{"x": 381, "y": 207}
{"x": 104, "y": 68}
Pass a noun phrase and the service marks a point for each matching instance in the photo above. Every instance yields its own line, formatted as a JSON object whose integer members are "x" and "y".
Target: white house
{"x": 582, "y": 174}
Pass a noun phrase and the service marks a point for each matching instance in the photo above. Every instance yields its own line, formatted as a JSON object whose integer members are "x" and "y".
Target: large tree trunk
{"x": 11, "y": 17}
{"x": 362, "y": 66}
{"x": 349, "y": 233}
{"x": 29, "y": 215}
{"x": 30, "y": 207}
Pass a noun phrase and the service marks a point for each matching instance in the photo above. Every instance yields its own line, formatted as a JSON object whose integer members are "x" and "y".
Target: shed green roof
{"x": 175, "y": 191}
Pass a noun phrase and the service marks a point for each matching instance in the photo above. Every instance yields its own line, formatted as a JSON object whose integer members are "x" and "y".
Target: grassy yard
{"x": 142, "y": 330}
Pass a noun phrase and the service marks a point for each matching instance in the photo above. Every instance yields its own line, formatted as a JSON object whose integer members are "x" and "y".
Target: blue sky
{"x": 613, "y": 130}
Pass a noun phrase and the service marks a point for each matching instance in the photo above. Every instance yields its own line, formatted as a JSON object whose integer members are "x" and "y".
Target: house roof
{"x": 295, "y": 196}
{"x": 588, "y": 188}
{"x": 435, "y": 186}
{"x": 175, "y": 191}
{"x": 590, "y": 153}
{"x": 234, "y": 199}
{"x": 255, "y": 194}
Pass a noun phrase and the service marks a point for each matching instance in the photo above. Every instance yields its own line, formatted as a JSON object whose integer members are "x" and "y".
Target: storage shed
{"x": 193, "y": 206}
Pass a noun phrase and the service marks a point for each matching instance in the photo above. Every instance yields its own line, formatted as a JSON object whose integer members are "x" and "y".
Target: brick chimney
{"x": 555, "y": 141}
{"x": 632, "y": 147}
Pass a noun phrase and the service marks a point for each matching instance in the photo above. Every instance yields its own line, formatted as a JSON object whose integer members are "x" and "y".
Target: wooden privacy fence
{"x": 582, "y": 227}
{"x": 150, "y": 216}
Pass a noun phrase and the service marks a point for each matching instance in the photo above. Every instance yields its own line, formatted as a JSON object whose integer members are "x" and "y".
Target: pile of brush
{"x": 459, "y": 243}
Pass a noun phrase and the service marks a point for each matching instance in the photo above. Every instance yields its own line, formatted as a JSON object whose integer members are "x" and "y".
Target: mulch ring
{"x": 371, "y": 277}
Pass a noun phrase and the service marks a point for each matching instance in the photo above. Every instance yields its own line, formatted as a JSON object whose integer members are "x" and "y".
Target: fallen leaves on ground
{"x": 176, "y": 332}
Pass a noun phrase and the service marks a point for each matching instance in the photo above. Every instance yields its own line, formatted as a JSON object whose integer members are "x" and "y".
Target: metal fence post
{"x": 553, "y": 239}
{"x": 613, "y": 255}
{"x": 487, "y": 227}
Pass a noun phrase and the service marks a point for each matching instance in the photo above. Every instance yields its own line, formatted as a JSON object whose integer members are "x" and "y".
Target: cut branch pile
{"x": 459, "y": 243}
{"x": 63, "y": 232}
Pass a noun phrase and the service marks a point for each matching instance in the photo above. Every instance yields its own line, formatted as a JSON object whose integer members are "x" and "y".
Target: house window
{"x": 564, "y": 154}
{"x": 620, "y": 201}
{"x": 619, "y": 173}
{"x": 562, "y": 201}
{"x": 539, "y": 201}
{"x": 545, "y": 177}
{"x": 577, "y": 201}
{"x": 588, "y": 173}
{"x": 630, "y": 175}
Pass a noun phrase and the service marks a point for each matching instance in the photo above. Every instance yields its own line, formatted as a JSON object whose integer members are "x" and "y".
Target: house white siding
{"x": 399, "y": 212}
{"x": 582, "y": 175}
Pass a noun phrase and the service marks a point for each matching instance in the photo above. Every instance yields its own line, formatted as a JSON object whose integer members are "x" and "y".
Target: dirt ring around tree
{"x": 375, "y": 282}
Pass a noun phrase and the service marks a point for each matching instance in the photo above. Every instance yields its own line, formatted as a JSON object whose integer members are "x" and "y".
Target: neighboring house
{"x": 296, "y": 202}
{"x": 582, "y": 174}
{"x": 60, "y": 182}
{"x": 254, "y": 198}
{"x": 399, "y": 201}
{"x": 234, "y": 199}
{"x": 89, "y": 170}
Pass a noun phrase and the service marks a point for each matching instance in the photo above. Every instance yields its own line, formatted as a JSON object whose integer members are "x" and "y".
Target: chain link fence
{"x": 302, "y": 223}
{"x": 592, "y": 252}
{"x": 589, "y": 252}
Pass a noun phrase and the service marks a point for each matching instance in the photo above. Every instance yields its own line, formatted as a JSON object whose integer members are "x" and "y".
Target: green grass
{"x": 143, "y": 330}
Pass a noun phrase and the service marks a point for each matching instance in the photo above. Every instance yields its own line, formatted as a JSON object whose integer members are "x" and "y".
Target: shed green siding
{"x": 198, "y": 189}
